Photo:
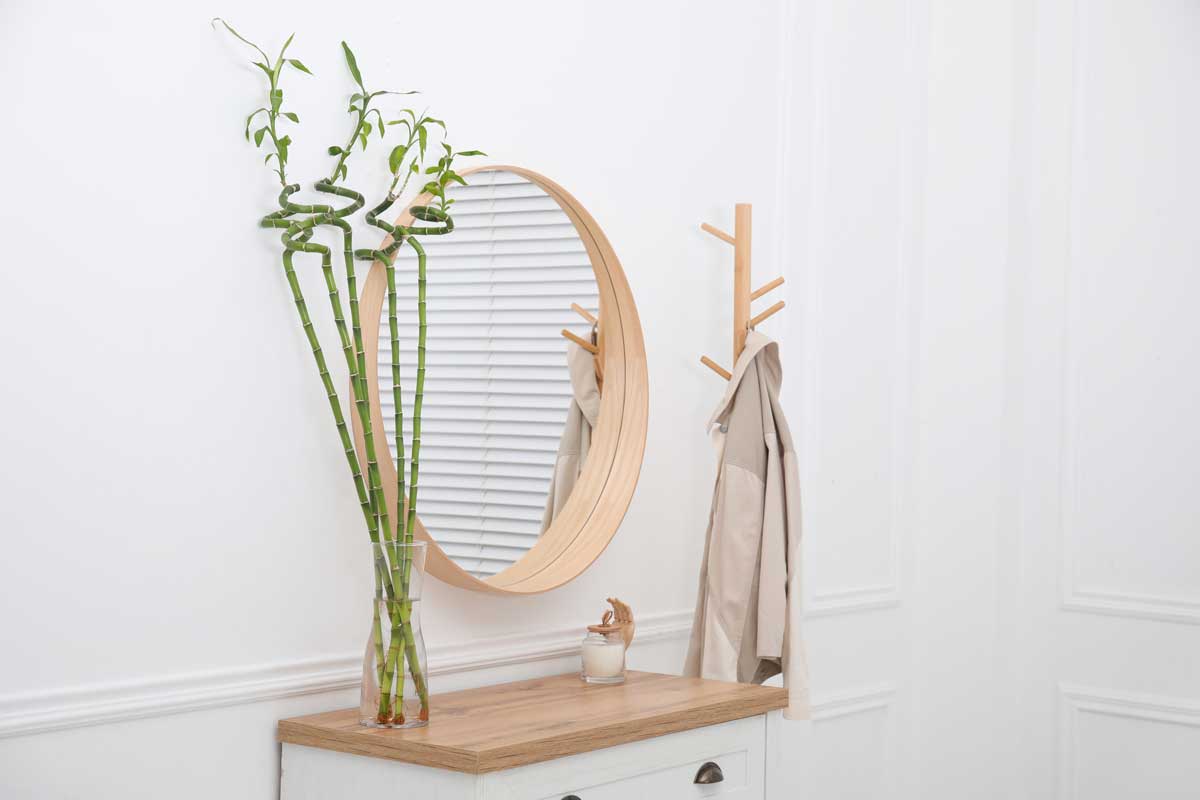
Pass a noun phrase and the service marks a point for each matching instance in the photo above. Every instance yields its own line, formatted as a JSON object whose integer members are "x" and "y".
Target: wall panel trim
{"x": 1076, "y": 595}
{"x": 1077, "y": 700}
{"x": 813, "y": 254}
{"x": 28, "y": 713}
{"x": 854, "y": 701}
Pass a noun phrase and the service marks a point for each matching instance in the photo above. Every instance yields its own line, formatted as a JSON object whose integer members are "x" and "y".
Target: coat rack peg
{"x": 579, "y": 340}
{"x": 583, "y": 312}
{"x": 715, "y": 367}
{"x": 766, "y": 287}
{"x": 773, "y": 309}
{"x": 597, "y": 349}
{"x": 717, "y": 232}
{"x": 743, "y": 322}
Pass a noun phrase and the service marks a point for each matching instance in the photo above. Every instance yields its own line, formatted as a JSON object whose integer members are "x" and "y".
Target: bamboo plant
{"x": 412, "y": 159}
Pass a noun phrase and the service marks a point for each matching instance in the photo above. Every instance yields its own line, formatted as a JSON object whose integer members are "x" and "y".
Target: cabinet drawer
{"x": 663, "y": 768}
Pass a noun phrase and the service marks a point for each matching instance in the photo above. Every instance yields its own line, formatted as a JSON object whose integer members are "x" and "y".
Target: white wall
{"x": 1110, "y": 557}
{"x": 181, "y": 529}
{"x": 989, "y": 253}
{"x": 901, "y": 121}
{"x": 992, "y": 275}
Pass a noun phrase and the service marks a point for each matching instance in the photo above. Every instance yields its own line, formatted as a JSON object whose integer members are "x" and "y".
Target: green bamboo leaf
{"x": 470, "y": 153}
{"x": 367, "y": 128}
{"x": 352, "y": 63}
{"x": 276, "y": 99}
{"x": 422, "y": 136}
{"x": 250, "y": 119}
{"x": 286, "y": 45}
{"x": 264, "y": 68}
{"x": 241, "y": 38}
{"x": 362, "y": 139}
{"x": 432, "y": 170}
{"x": 451, "y": 175}
{"x": 355, "y": 97}
{"x": 396, "y": 158}
{"x": 334, "y": 150}
{"x": 258, "y": 135}
{"x": 292, "y": 116}
{"x": 295, "y": 62}
{"x": 283, "y": 149}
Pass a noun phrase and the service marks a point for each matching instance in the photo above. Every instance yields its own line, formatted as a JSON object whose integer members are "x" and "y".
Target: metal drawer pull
{"x": 709, "y": 772}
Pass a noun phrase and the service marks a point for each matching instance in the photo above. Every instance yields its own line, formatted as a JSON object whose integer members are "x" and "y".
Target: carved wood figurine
{"x": 622, "y": 619}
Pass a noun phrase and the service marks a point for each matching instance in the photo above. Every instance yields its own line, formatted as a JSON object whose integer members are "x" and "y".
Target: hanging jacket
{"x": 747, "y": 622}
{"x": 577, "y": 431}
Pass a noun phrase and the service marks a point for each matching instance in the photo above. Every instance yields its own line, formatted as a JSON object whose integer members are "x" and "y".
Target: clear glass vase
{"x": 395, "y": 688}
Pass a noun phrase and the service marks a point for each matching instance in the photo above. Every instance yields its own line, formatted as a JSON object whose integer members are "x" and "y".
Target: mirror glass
{"x": 506, "y": 418}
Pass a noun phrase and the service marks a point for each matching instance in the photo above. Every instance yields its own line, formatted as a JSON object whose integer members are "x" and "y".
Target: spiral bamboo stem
{"x": 399, "y": 576}
{"x": 294, "y": 240}
{"x": 325, "y": 215}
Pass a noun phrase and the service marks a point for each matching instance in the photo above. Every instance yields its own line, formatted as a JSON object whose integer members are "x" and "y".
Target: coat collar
{"x": 755, "y": 343}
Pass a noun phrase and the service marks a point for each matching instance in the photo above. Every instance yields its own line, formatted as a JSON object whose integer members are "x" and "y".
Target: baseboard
{"x": 38, "y": 712}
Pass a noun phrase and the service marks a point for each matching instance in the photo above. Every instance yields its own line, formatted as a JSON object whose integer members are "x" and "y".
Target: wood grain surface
{"x": 514, "y": 724}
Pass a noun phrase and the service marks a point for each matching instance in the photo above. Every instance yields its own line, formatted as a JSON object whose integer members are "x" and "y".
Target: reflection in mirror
{"x": 502, "y": 405}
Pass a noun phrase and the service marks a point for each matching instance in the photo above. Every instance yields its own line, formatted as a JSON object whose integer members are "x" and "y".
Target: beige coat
{"x": 747, "y": 623}
{"x": 577, "y": 431}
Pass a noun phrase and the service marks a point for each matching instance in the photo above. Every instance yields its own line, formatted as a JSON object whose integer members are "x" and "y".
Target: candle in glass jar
{"x": 604, "y": 657}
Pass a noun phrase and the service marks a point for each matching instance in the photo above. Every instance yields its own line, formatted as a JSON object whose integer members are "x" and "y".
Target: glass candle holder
{"x": 604, "y": 655}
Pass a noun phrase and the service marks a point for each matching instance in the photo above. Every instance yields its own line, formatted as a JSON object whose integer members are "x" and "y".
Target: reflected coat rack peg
{"x": 742, "y": 296}
{"x": 596, "y": 348}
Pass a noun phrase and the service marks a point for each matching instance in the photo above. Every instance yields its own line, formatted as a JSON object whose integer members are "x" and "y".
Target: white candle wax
{"x": 604, "y": 660}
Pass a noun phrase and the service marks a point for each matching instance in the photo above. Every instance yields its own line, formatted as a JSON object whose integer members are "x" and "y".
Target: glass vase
{"x": 395, "y": 689}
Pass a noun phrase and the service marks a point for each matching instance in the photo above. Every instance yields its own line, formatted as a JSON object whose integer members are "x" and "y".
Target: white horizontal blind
{"x": 497, "y": 389}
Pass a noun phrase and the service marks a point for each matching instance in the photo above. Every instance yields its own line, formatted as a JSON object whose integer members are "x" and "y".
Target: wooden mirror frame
{"x": 591, "y": 515}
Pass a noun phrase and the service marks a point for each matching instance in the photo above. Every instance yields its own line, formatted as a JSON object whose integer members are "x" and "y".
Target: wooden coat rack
{"x": 742, "y": 296}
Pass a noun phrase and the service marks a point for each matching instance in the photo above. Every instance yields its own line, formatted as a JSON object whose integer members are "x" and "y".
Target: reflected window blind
{"x": 497, "y": 388}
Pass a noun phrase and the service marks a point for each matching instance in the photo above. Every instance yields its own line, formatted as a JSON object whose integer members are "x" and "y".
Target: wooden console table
{"x": 655, "y": 736}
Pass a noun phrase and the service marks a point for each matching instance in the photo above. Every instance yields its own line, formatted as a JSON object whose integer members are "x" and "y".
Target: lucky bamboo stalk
{"x": 298, "y": 222}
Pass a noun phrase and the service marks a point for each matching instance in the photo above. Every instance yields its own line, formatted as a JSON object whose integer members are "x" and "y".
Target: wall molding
{"x": 817, "y": 260}
{"x": 1077, "y": 700}
{"x": 1074, "y": 596}
{"x": 28, "y": 713}
{"x": 1129, "y": 604}
{"x": 847, "y": 601}
{"x": 833, "y": 705}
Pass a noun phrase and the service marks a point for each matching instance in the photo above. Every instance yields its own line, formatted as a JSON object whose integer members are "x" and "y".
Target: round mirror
{"x": 535, "y": 401}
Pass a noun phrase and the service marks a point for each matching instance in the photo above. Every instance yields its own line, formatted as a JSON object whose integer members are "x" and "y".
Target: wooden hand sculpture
{"x": 623, "y": 619}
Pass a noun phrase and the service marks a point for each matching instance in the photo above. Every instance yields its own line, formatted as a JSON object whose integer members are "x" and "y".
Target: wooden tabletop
{"x": 513, "y": 724}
